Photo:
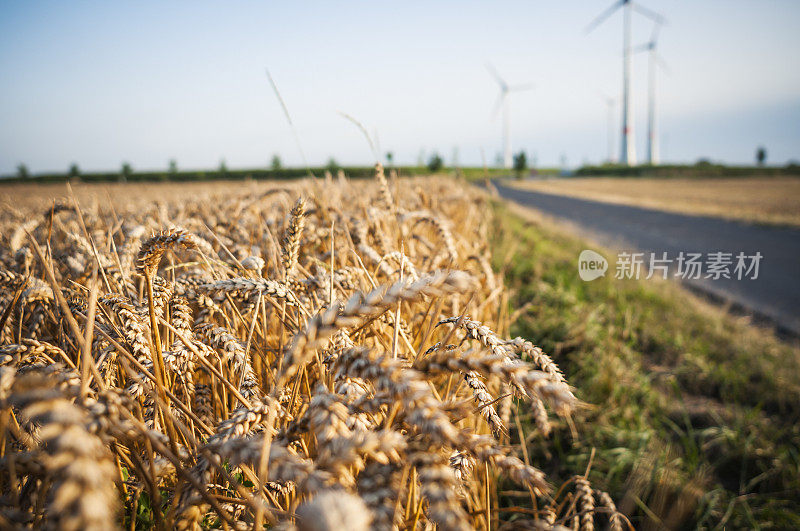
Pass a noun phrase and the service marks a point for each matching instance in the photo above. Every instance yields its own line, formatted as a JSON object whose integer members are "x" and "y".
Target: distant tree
{"x": 332, "y": 166}
{"x": 389, "y": 158}
{"x": 172, "y": 168}
{"x": 761, "y": 155}
{"x": 276, "y": 163}
{"x": 223, "y": 168}
{"x": 22, "y": 172}
{"x": 125, "y": 172}
{"x": 520, "y": 163}
{"x": 74, "y": 171}
{"x": 435, "y": 163}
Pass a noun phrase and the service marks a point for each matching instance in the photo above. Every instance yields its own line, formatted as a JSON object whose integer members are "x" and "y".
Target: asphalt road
{"x": 774, "y": 295}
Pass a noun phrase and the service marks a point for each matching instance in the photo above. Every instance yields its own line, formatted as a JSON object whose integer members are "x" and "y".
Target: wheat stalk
{"x": 283, "y": 375}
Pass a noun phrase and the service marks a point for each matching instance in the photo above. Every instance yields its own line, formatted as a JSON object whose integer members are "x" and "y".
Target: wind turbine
{"x": 627, "y": 148}
{"x": 610, "y": 104}
{"x": 502, "y": 101}
{"x": 654, "y": 60}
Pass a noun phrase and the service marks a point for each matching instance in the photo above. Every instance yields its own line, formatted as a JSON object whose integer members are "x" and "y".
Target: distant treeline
{"x": 701, "y": 169}
{"x": 353, "y": 172}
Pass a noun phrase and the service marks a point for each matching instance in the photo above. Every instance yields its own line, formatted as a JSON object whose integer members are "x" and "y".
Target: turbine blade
{"x": 608, "y": 99}
{"x": 493, "y": 71}
{"x": 498, "y": 105}
{"x": 663, "y": 64}
{"x": 602, "y": 16}
{"x": 524, "y": 86}
{"x": 656, "y": 30}
{"x": 649, "y": 13}
{"x": 642, "y": 48}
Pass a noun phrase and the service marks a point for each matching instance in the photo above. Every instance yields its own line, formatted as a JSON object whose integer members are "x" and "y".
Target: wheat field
{"x": 325, "y": 355}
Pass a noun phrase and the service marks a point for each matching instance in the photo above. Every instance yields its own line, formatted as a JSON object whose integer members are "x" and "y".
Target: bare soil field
{"x": 768, "y": 200}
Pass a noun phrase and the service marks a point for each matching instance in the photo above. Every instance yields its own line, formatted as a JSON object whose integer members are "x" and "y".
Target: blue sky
{"x": 99, "y": 83}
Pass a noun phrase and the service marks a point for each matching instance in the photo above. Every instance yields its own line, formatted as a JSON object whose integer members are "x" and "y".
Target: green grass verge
{"x": 693, "y": 413}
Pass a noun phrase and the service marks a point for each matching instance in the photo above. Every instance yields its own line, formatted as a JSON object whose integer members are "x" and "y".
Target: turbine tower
{"x": 502, "y": 101}
{"x": 627, "y": 148}
{"x": 610, "y": 104}
{"x": 654, "y": 60}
